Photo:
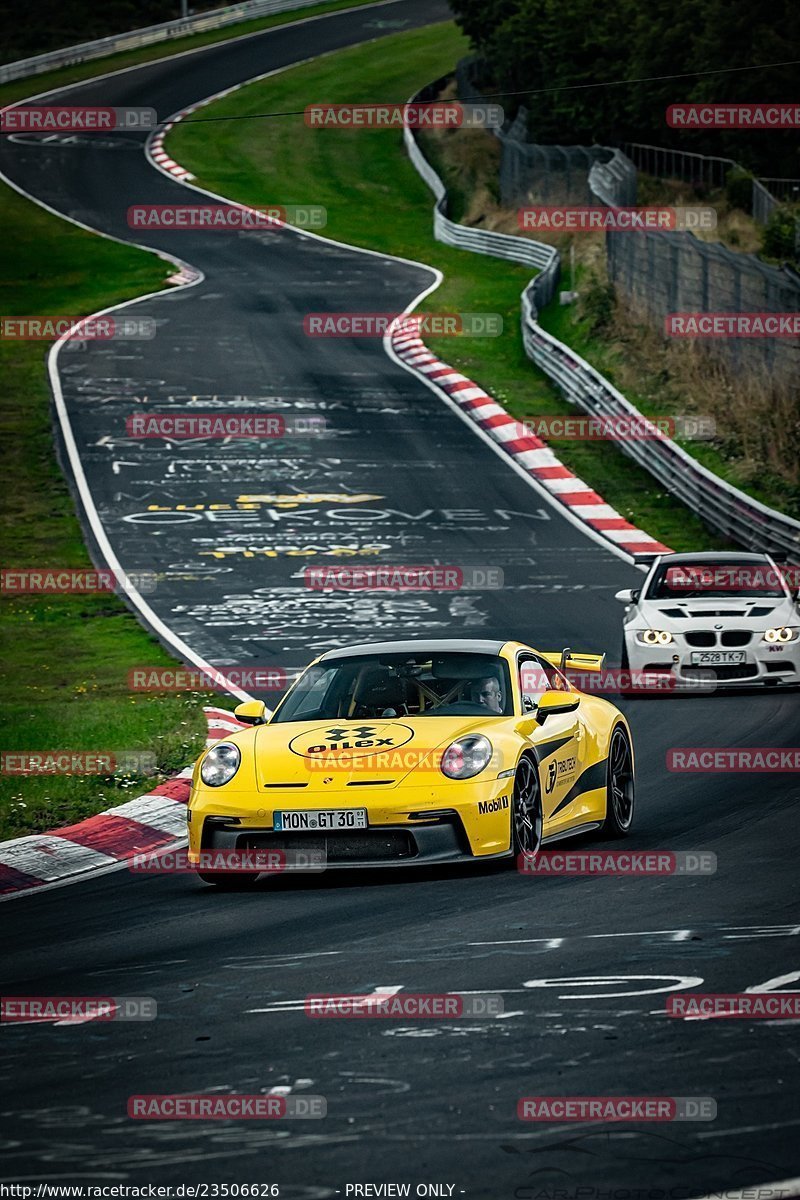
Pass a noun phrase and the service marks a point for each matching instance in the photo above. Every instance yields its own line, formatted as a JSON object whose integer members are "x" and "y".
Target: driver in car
{"x": 487, "y": 692}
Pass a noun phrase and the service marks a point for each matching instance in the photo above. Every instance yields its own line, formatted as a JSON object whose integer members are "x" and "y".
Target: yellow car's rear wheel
{"x": 526, "y": 810}
{"x": 619, "y": 786}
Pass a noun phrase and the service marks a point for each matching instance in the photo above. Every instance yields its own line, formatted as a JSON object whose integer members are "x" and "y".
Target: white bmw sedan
{"x": 727, "y": 617}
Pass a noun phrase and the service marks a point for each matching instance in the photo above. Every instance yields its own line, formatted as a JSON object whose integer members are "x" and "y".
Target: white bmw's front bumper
{"x": 762, "y": 662}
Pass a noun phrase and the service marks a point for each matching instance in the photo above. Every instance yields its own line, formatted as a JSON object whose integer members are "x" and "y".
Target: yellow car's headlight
{"x": 656, "y": 637}
{"x": 783, "y": 634}
{"x": 220, "y": 764}
{"x": 467, "y": 756}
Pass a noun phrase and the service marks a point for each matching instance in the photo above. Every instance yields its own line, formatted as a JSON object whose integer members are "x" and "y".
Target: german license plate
{"x": 298, "y": 820}
{"x": 717, "y": 658}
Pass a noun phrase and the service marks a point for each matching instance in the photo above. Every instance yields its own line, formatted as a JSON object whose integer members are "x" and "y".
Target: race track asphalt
{"x": 578, "y": 961}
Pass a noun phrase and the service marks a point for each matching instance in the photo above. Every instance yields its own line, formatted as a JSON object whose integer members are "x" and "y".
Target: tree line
{"x": 593, "y": 73}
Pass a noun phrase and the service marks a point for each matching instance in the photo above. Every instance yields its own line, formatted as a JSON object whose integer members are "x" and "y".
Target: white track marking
{"x": 680, "y": 983}
{"x": 379, "y": 993}
{"x": 775, "y": 985}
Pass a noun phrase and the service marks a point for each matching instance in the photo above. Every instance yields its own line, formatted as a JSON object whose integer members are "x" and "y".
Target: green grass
{"x": 375, "y": 199}
{"x": 20, "y": 89}
{"x": 66, "y": 658}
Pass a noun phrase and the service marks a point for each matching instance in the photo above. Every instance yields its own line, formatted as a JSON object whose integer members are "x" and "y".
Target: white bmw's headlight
{"x": 220, "y": 764}
{"x": 656, "y": 637}
{"x": 467, "y": 756}
{"x": 783, "y": 634}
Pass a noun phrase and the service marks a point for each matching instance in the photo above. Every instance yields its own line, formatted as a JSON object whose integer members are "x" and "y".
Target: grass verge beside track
{"x": 66, "y": 658}
{"x": 375, "y": 199}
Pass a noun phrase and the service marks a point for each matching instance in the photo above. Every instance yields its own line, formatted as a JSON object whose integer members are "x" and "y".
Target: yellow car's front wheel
{"x": 526, "y": 810}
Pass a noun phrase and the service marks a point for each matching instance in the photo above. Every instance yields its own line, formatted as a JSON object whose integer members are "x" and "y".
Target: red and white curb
{"x": 159, "y": 154}
{"x": 102, "y": 842}
{"x": 528, "y": 451}
{"x": 155, "y": 146}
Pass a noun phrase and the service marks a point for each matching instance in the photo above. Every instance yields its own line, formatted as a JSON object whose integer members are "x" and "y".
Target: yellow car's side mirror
{"x": 552, "y": 702}
{"x": 252, "y": 712}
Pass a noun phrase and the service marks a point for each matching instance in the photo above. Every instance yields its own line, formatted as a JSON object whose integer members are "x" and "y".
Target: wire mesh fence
{"x": 659, "y": 272}
{"x": 663, "y": 273}
{"x": 532, "y": 173}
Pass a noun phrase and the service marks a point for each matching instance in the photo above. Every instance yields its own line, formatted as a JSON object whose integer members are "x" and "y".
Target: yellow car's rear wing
{"x": 566, "y": 660}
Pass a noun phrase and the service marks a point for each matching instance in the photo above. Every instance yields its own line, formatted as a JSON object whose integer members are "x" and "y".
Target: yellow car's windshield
{"x": 400, "y": 685}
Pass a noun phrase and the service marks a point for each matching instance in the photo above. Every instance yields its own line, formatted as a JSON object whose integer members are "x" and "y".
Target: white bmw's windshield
{"x": 692, "y": 580}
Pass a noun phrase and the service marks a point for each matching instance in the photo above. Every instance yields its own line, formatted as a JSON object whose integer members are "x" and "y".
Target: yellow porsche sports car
{"x": 417, "y": 752}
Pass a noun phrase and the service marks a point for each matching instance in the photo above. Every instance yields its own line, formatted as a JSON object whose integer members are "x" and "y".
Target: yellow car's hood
{"x": 345, "y": 753}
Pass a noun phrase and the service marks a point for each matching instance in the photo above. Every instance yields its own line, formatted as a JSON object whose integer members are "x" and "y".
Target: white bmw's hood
{"x": 714, "y": 612}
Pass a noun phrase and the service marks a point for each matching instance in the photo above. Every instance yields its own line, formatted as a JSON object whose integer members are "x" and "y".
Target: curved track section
{"x": 581, "y": 963}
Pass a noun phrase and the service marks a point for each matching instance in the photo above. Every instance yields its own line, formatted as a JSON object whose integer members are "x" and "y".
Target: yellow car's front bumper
{"x": 450, "y": 821}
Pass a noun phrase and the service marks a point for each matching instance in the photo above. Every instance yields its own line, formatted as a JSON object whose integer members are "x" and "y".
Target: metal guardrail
{"x": 482, "y": 241}
{"x": 719, "y": 504}
{"x": 217, "y": 18}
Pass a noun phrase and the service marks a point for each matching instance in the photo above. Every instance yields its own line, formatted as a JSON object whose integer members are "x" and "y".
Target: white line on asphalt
{"x": 675, "y": 935}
